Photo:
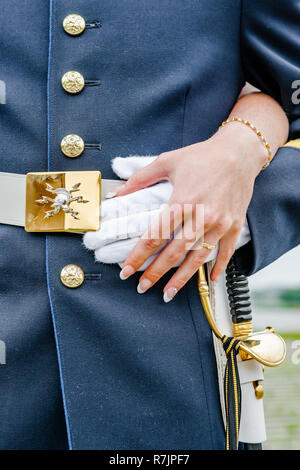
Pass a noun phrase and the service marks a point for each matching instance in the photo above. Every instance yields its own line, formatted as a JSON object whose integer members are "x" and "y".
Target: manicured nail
{"x": 216, "y": 278}
{"x": 110, "y": 195}
{"x": 118, "y": 188}
{"x": 144, "y": 285}
{"x": 126, "y": 272}
{"x": 170, "y": 294}
{"x": 114, "y": 193}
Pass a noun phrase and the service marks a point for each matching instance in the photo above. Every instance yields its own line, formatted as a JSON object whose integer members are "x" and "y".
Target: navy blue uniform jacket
{"x": 99, "y": 367}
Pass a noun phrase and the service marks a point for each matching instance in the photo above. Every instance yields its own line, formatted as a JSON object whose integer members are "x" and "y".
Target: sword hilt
{"x": 266, "y": 346}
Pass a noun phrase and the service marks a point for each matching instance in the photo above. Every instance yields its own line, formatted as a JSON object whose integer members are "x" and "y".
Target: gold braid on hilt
{"x": 267, "y": 347}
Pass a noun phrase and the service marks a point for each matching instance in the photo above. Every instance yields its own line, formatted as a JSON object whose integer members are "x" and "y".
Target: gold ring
{"x": 208, "y": 246}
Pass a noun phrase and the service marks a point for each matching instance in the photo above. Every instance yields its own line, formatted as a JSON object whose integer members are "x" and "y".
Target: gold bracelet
{"x": 257, "y": 132}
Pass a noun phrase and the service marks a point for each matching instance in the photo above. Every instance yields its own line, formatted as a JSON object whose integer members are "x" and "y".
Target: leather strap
{"x": 13, "y": 192}
{"x": 252, "y": 426}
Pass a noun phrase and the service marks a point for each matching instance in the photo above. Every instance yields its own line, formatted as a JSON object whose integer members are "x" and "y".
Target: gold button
{"x": 259, "y": 390}
{"x": 72, "y": 145}
{"x": 72, "y": 276}
{"x": 74, "y": 24}
{"x": 72, "y": 82}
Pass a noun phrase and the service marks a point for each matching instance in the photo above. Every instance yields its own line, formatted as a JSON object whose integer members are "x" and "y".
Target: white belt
{"x": 19, "y": 193}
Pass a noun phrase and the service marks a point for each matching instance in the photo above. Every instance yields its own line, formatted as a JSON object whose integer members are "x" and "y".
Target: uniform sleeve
{"x": 270, "y": 38}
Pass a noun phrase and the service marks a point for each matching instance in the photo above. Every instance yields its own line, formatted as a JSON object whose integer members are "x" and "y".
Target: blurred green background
{"x": 275, "y": 293}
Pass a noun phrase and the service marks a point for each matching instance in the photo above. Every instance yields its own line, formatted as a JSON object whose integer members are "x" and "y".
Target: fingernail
{"x": 114, "y": 193}
{"x": 118, "y": 188}
{"x": 110, "y": 195}
{"x": 170, "y": 294}
{"x": 143, "y": 286}
{"x": 126, "y": 272}
{"x": 216, "y": 278}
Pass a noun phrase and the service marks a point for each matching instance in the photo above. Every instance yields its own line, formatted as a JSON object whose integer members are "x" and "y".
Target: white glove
{"x": 124, "y": 219}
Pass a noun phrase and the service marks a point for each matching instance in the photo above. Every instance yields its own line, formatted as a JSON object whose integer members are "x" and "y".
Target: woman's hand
{"x": 213, "y": 178}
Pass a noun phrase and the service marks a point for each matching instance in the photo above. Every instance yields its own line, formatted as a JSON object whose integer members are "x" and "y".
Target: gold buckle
{"x": 63, "y": 201}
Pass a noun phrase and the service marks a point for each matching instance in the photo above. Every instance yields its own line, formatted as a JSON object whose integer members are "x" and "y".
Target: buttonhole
{"x": 93, "y": 277}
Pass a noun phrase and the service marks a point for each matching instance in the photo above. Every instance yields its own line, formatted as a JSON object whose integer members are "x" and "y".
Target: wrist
{"x": 241, "y": 142}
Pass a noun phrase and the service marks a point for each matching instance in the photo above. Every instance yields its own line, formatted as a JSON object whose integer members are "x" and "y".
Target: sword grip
{"x": 238, "y": 295}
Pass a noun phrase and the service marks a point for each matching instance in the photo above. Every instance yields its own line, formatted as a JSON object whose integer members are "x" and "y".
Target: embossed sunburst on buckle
{"x": 63, "y": 201}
